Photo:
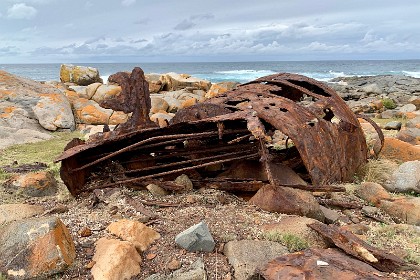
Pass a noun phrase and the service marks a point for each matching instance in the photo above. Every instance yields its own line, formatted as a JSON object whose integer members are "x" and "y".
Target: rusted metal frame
{"x": 252, "y": 156}
{"x": 358, "y": 248}
{"x": 185, "y": 162}
{"x": 299, "y": 88}
{"x": 303, "y": 136}
{"x": 194, "y": 151}
{"x": 377, "y": 129}
{"x": 162, "y": 137}
{"x": 238, "y": 139}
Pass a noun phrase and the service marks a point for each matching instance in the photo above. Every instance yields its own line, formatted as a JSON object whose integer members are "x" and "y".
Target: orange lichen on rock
{"x": 7, "y": 111}
{"x": 52, "y": 252}
{"x": 399, "y": 150}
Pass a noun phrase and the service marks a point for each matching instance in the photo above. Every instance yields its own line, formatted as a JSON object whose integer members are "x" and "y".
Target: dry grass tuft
{"x": 377, "y": 170}
{"x": 401, "y": 239}
{"x": 293, "y": 242}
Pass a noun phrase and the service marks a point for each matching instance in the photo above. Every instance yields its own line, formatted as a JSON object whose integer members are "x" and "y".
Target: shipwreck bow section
{"x": 226, "y": 141}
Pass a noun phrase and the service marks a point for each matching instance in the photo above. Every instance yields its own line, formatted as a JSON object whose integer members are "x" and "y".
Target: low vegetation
{"x": 43, "y": 151}
{"x": 403, "y": 240}
{"x": 376, "y": 170}
{"x": 293, "y": 242}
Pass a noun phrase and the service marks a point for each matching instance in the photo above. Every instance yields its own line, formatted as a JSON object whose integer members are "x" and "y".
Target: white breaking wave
{"x": 412, "y": 74}
{"x": 105, "y": 79}
{"x": 241, "y": 75}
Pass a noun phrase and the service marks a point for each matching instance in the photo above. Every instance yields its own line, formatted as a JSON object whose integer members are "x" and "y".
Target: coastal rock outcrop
{"x": 174, "y": 81}
{"x": 79, "y": 75}
{"x": 33, "y": 107}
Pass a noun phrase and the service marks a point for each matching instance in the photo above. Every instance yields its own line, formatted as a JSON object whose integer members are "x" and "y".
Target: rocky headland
{"x": 199, "y": 233}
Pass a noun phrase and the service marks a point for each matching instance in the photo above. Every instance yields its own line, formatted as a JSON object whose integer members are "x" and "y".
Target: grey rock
{"x": 372, "y": 88}
{"x": 196, "y": 238}
{"x": 156, "y": 190}
{"x": 394, "y": 125}
{"x": 406, "y": 178}
{"x": 246, "y": 256}
{"x": 12, "y": 136}
{"x": 370, "y": 210}
{"x": 410, "y": 135}
{"x": 408, "y": 108}
{"x": 183, "y": 180}
{"x": 195, "y": 271}
{"x": 330, "y": 215}
{"x": 413, "y": 122}
{"x": 388, "y": 114}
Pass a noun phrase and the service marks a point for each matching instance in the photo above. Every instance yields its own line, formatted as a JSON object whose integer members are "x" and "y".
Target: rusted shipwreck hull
{"x": 325, "y": 142}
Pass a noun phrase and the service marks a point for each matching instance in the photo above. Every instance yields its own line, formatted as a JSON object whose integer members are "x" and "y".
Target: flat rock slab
{"x": 246, "y": 256}
{"x": 18, "y": 211}
{"x": 196, "y": 238}
{"x": 326, "y": 264}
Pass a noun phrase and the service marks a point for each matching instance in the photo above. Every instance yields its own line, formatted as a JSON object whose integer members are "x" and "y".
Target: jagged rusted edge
{"x": 378, "y": 131}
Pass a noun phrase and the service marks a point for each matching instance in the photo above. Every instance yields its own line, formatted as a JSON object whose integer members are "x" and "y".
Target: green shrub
{"x": 389, "y": 103}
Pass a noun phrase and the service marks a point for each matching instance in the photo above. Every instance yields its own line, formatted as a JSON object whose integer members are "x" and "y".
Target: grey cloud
{"x": 184, "y": 25}
{"x": 21, "y": 11}
{"x": 192, "y": 21}
{"x": 127, "y": 3}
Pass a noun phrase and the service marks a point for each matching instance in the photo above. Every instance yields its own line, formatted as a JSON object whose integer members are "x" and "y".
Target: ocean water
{"x": 235, "y": 71}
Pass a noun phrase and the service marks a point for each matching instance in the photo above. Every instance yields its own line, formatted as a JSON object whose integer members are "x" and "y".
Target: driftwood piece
{"x": 356, "y": 247}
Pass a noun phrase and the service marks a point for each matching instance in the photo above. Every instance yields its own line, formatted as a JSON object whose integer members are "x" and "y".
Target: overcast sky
{"x": 41, "y": 31}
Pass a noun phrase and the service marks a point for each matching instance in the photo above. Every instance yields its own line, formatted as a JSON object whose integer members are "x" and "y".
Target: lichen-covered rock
{"x": 399, "y": 150}
{"x": 220, "y": 88}
{"x": 34, "y": 184}
{"x": 89, "y": 112}
{"x": 104, "y": 92}
{"x": 26, "y": 104}
{"x": 406, "y": 209}
{"x": 35, "y": 248}
{"x": 406, "y": 178}
{"x": 173, "y": 81}
{"x": 372, "y": 192}
{"x": 158, "y": 104}
{"x": 409, "y": 135}
{"x": 155, "y": 84}
{"x": 54, "y": 112}
{"x": 79, "y": 75}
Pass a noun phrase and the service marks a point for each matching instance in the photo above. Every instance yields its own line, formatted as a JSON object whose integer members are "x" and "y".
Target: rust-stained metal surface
{"x": 134, "y": 98}
{"x": 356, "y": 247}
{"x": 315, "y": 264}
{"x": 325, "y": 143}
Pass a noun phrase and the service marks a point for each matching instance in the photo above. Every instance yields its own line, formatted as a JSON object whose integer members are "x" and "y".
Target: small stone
{"x": 330, "y": 215}
{"x": 135, "y": 232}
{"x": 406, "y": 209}
{"x": 406, "y": 178}
{"x": 174, "y": 264}
{"x": 370, "y": 210}
{"x": 394, "y": 125}
{"x": 85, "y": 232}
{"x": 183, "y": 180}
{"x": 150, "y": 256}
{"x": 196, "y": 238}
{"x": 156, "y": 190}
{"x": 90, "y": 265}
{"x": 408, "y": 108}
{"x": 191, "y": 199}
